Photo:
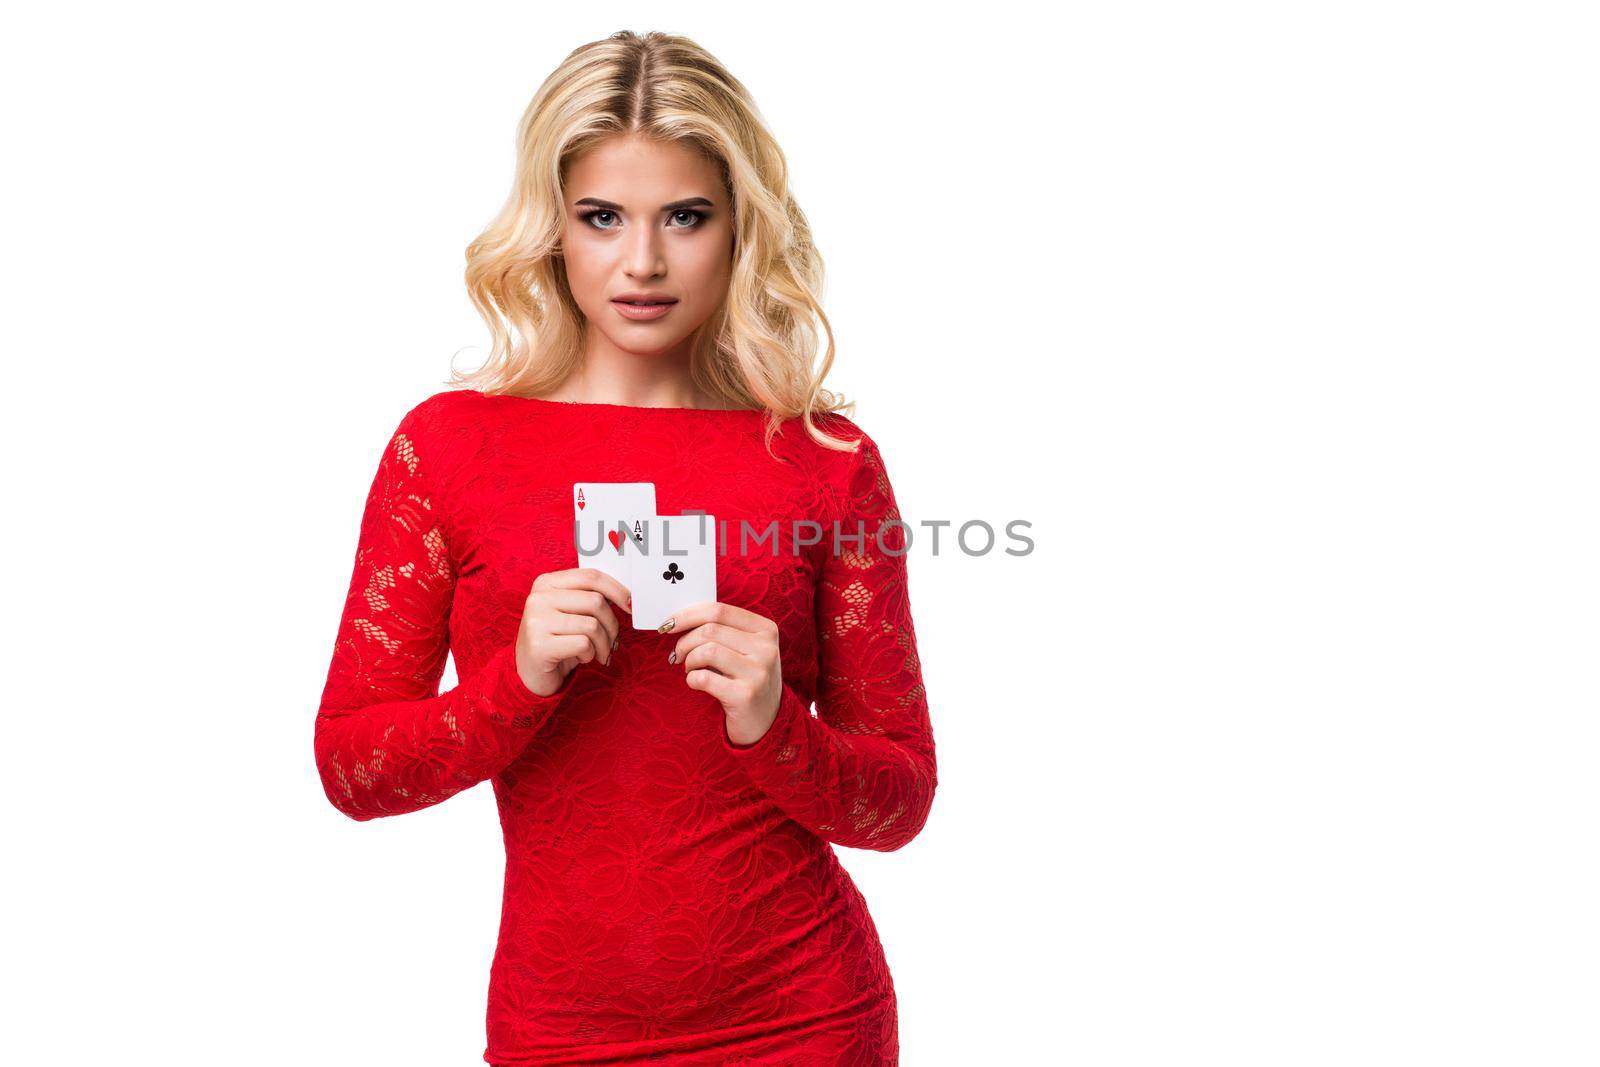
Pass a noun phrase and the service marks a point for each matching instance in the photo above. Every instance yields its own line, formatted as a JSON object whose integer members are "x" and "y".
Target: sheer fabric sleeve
{"x": 386, "y": 740}
{"x": 862, "y": 772}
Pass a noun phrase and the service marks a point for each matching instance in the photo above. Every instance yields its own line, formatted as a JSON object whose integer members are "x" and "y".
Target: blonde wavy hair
{"x": 759, "y": 349}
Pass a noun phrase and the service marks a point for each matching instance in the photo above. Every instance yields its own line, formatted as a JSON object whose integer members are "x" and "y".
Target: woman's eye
{"x": 602, "y": 219}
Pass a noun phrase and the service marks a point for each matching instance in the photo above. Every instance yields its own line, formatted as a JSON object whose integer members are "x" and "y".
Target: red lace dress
{"x": 669, "y": 896}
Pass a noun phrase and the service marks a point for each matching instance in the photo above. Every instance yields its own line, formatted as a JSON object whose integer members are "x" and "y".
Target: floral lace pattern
{"x": 670, "y": 897}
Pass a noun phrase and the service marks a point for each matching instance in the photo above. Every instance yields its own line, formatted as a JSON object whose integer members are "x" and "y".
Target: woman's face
{"x": 651, "y": 220}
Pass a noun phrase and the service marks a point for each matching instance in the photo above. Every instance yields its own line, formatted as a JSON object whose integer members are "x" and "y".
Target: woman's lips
{"x": 641, "y": 312}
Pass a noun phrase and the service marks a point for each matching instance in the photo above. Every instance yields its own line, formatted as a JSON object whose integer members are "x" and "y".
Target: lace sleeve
{"x": 387, "y": 741}
{"x": 862, "y": 772}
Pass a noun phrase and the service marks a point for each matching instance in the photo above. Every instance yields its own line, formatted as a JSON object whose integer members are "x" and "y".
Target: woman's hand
{"x": 732, "y": 654}
{"x": 567, "y": 620}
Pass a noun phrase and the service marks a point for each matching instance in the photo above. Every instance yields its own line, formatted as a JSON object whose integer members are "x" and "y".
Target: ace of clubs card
{"x": 675, "y": 566}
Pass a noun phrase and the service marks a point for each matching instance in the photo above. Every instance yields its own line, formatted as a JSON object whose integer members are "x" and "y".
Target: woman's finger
{"x": 560, "y": 623}
{"x": 587, "y": 578}
{"x": 708, "y": 681}
{"x": 572, "y": 649}
{"x": 576, "y": 601}
{"x": 725, "y": 661}
{"x": 717, "y": 611}
{"x": 738, "y": 640}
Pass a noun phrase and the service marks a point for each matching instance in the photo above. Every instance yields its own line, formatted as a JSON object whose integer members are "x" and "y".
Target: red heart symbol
{"x": 616, "y": 540}
{"x": 582, "y": 503}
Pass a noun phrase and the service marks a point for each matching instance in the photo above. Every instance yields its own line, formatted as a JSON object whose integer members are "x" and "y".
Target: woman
{"x": 668, "y": 801}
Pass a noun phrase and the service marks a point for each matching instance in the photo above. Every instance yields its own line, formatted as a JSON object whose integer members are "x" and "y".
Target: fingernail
{"x": 664, "y": 627}
{"x": 674, "y": 657}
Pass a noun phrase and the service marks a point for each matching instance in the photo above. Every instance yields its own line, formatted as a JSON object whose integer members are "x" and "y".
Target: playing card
{"x": 603, "y": 513}
{"x": 675, "y": 566}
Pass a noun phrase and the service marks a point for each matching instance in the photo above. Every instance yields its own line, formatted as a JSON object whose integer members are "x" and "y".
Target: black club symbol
{"x": 672, "y": 573}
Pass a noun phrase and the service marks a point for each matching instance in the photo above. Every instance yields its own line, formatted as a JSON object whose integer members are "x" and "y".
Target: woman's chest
{"x": 513, "y": 518}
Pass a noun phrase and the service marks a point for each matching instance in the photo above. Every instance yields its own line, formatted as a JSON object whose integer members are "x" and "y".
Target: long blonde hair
{"x": 758, "y": 350}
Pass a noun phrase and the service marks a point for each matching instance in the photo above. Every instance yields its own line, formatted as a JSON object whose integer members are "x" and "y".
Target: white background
{"x": 1277, "y": 321}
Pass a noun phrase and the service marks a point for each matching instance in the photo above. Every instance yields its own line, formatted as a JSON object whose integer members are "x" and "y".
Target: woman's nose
{"x": 644, "y": 257}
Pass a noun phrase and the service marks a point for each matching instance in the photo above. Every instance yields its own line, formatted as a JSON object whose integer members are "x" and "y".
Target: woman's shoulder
{"x": 843, "y": 428}
{"x": 447, "y": 403}
{"x": 844, "y": 473}
{"x": 861, "y": 448}
{"x": 446, "y": 413}
{"x": 443, "y": 430}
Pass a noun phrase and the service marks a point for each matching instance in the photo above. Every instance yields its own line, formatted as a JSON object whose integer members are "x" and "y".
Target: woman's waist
{"x": 703, "y": 937}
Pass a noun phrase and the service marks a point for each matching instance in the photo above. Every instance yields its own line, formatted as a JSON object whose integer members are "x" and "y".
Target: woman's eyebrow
{"x": 676, "y": 205}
